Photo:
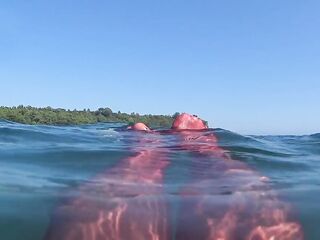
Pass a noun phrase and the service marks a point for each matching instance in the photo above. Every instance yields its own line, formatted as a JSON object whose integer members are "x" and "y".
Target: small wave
{"x": 316, "y": 135}
{"x": 110, "y": 132}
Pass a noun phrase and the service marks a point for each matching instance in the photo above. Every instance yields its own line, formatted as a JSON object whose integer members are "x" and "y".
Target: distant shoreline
{"x": 60, "y": 116}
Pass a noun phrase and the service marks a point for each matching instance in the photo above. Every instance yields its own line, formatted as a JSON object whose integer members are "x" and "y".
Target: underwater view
{"x": 102, "y": 181}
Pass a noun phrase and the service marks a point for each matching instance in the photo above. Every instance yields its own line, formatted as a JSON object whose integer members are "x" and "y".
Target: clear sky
{"x": 250, "y": 66}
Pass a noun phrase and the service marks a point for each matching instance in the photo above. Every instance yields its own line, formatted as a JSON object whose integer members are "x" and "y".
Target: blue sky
{"x": 248, "y": 66}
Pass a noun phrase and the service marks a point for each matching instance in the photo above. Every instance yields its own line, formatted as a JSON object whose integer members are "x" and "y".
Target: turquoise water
{"x": 42, "y": 167}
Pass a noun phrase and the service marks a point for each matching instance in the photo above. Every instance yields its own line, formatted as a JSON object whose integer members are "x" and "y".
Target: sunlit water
{"x": 42, "y": 166}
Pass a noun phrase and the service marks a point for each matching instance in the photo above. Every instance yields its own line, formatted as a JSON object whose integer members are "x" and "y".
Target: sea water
{"x": 42, "y": 165}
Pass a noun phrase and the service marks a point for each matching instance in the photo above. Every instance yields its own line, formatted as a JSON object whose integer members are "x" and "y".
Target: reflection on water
{"x": 100, "y": 182}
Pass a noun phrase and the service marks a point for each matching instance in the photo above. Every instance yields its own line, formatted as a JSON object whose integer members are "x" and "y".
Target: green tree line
{"x": 59, "y": 116}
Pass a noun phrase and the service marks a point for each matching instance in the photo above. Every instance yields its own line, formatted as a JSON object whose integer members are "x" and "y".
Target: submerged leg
{"x": 228, "y": 200}
{"x": 124, "y": 202}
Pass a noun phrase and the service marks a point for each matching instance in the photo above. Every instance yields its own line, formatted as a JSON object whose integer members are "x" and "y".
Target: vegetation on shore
{"x": 59, "y": 116}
